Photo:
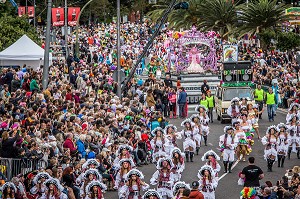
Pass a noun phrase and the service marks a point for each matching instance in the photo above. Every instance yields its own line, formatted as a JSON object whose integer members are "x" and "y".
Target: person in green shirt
{"x": 203, "y": 100}
{"x": 271, "y": 101}
{"x": 211, "y": 104}
{"x": 259, "y": 98}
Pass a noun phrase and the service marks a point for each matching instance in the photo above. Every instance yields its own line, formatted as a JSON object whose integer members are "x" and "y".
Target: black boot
{"x": 282, "y": 161}
{"x": 205, "y": 140}
{"x": 197, "y": 150}
{"x": 187, "y": 156}
{"x": 269, "y": 165}
{"x": 225, "y": 163}
{"x": 230, "y": 166}
{"x": 191, "y": 156}
{"x": 279, "y": 160}
{"x": 289, "y": 155}
{"x": 298, "y": 153}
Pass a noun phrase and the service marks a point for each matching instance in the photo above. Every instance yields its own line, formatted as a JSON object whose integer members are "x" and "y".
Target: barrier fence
{"x": 11, "y": 167}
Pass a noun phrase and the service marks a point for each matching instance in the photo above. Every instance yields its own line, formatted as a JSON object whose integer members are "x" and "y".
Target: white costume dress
{"x": 208, "y": 188}
{"x": 164, "y": 182}
{"x": 228, "y": 146}
{"x": 282, "y": 147}
{"x": 133, "y": 192}
{"x": 189, "y": 140}
{"x": 62, "y": 196}
{"x": 196, "y": 135}
{"x": 158, "y": 147}
{"x": 271, "y": 147}
{"x": 233, "y": 111}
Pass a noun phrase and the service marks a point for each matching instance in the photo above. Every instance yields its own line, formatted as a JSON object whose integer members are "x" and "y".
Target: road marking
{"x": 234, "y": 165}
{"x": 210, "y": 144}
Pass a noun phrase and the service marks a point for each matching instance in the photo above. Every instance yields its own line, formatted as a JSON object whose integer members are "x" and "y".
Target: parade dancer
{"x": 178, "y": 161}
{"x": 126, "y": 165}
{"x": 8, "y": 190}
{"x": 134, "y": 185}
{"x": 89, "y": 175}
{"x": 207, "y": 182}
{"x": 270, "y": 142}
{"x": 282, "y": 144}
{"x": 294, "y": 140}
{"x": 95, "y": 190}
{"x": 293, "y": 110}
{"x": 178, "y": 189}
{"x": 152, "y": 194}
{"x": 172, "y": 131}
{"x": 234, "y": 109}
{"x": 158, "y": 144}
{"x": 196, "y": 131}
{"x": 39, "y": 187}
{"x": 246, "y": 126}
{"x": 211, "y": 159}
{"x": 164, "y": 178}
{"x": 254, "y": 117}
{"x": 204, "y": 120}
{"x": 228, "y": 146}
{"x": 123, "y": 152}
{"x": 240, "y": 141}
{"x": 189, "y": 144}
{"x": 89, "y": 164}
{"x": 54, "y": 190}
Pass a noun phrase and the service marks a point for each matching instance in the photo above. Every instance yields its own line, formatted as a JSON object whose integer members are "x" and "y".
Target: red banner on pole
{"x": 30, "y": 11}
{"x": 58, "y": 16}
{"x": 21, "y": 11}
{"x": 73, "y": 13}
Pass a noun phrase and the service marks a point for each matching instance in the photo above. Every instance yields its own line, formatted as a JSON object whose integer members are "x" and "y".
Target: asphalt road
{"x": 227, "y": 188}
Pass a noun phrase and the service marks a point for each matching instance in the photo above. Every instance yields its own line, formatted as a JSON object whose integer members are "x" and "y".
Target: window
{"x": 230, "y": 93}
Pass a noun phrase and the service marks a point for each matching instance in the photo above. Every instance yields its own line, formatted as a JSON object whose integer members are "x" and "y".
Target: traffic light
{"x": 181, "y": 5}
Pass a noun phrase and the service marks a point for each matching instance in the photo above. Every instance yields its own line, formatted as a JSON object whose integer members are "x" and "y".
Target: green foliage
{"x": 260, "y": 15}
{"x": 12, "y": 28}
{"x": 7, "y": 8}
{"x": 287, "y": 41}
{"x": 266, "y": 36}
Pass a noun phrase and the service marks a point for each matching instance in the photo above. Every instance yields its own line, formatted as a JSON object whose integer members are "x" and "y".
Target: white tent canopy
{"x": 23, "y": 51}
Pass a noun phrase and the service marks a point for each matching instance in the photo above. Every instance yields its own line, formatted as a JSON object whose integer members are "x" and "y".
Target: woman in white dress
{"x": 126, "y": 166}
{"x": 240, "y": 141}
{"x": 89, "y": 175}
{"x": 204, "y": 120}
{"x": 134, "y": 185}
{"x": 123, "y": 152}
{"x": 95, "y": 190}
{"x": 178, "y": 161}
{"x": 189, "y": 144}
{"x": 270, "y": 143}
{"x": 294, "y": 139}
{"x": 89, "y": 164}
{"x": 39, "y": 187}
{"x": 178, "y": 189}
{"x": 8, "y": 190}
{"x": 158, "y": 144}
{"x": 54, "y": 190}
{"x": 207, "y": 182}
{"x": 164, "y": 178}
{"x": 152, "y": 194}
{"x": 172, "y": 131}
{"x": 211, "y": 159}
{"x": 282, "y": 144}
{"x": 293, "y": 110}
{"x": 196, "y": 131}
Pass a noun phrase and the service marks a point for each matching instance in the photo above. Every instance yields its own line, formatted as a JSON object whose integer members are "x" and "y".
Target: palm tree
{"x": 261, "y": 15}
{"x": 218, "y": 15}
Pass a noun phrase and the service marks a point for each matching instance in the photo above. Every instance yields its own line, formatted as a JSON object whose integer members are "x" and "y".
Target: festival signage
{"x": 30, "y": 11}
{"x": 21, "y": 11}
{"x": 237, "y": 71}
{"x": 230, "y": 53}
{"x": 293, "y": 14}
{"x": 58, "y": 16}
{"x": 73, "y": 13}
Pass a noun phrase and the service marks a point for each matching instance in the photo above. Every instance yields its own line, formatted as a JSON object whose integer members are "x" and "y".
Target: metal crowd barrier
{"x": 11, "y": 167}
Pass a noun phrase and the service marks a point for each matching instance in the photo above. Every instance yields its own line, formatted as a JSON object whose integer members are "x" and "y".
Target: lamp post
{"x": 118, "y": 50}
{"x": 66, "y": 29}
{"x": 47, "y": 47}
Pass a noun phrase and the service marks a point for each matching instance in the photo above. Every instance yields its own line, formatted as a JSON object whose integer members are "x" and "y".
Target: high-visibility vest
{"x": 270, "y": 98}
{"x": 210, "y": 101}
{"x": 204, "y": 102}
{"x": 259, "y": 95}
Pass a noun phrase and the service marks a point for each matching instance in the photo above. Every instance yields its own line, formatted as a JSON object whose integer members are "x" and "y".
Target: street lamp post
{"x": 66, "y": 29}
{"x": 118, "y": 50}
{"x": 47, "y": 47}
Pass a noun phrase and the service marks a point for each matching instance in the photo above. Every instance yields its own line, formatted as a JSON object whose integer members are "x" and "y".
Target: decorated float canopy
{"x": 293, "y": 14}
{"x": 192, "y": 51}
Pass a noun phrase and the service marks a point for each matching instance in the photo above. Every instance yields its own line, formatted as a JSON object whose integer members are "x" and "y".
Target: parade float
{"x": 191, "y": 59}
